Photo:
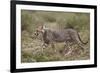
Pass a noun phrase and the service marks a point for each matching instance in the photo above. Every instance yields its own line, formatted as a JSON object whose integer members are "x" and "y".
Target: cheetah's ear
{"x": 44, "y": 27}
{"x": 40, "y": 27}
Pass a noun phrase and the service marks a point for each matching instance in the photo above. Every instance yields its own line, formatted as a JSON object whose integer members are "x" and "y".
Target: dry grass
{"x": 32, "y": 51}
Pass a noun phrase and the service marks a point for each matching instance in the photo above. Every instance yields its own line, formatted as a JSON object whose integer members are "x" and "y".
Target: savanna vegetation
{"x": 31, "y": 46}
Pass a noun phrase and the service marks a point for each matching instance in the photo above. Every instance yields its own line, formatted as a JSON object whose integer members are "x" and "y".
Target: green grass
{"x": 31, "y": 50}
